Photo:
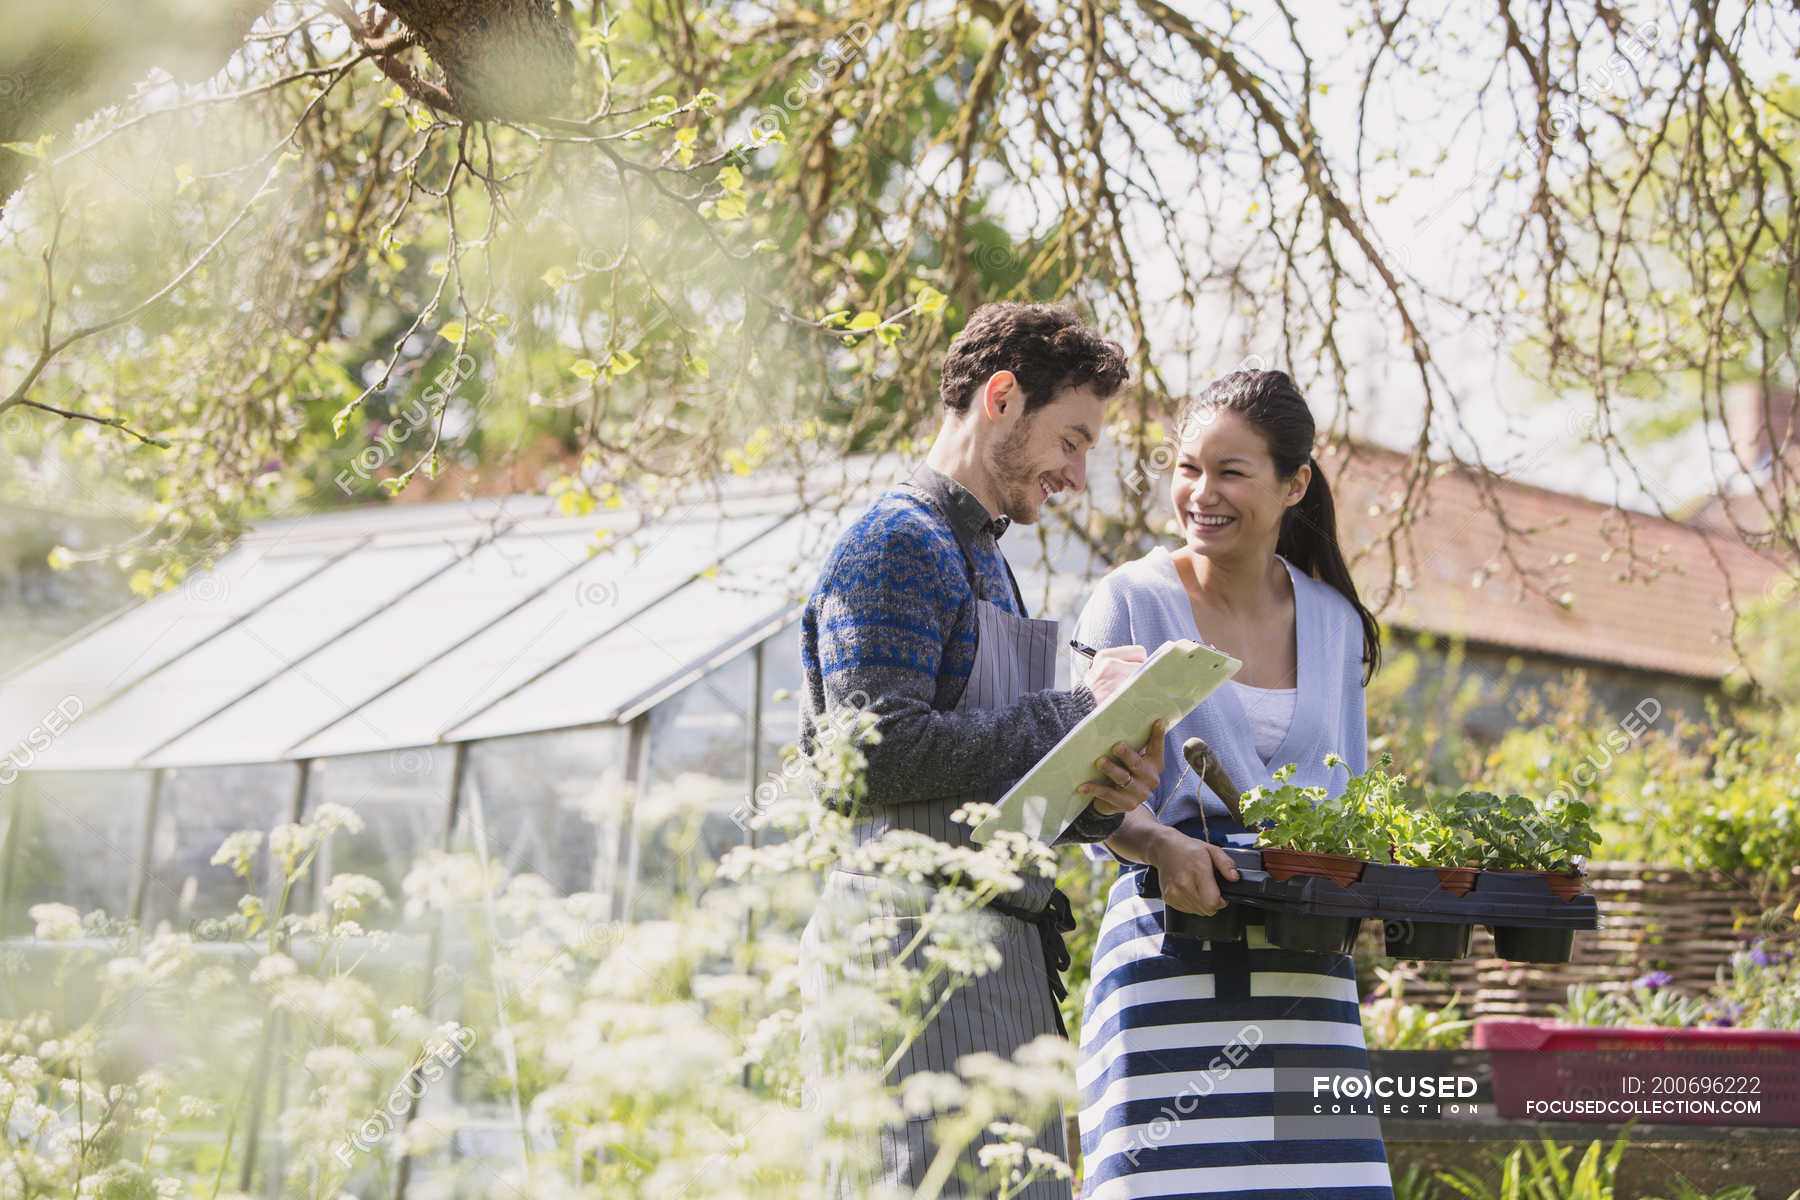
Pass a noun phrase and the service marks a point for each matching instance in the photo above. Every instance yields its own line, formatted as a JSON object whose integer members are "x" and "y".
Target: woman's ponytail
{"x": 1309, "y": 540}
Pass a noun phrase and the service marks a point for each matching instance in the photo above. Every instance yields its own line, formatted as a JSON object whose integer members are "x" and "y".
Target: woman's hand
{"x": 1189, "y": 871}
{"x": 1131, "y": 775}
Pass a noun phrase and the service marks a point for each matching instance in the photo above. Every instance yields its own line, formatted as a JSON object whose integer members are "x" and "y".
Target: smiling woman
{"x": 1259, "y": 576}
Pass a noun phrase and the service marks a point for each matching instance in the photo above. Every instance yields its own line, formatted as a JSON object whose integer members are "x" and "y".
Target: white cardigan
{"x": 1144, "y": 603}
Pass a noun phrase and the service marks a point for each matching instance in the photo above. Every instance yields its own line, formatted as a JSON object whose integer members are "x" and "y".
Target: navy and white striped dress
{"x": 1180, "y": 1049}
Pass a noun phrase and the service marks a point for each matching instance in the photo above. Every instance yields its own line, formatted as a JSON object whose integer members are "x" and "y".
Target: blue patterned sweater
{"x": 893, "y": 618}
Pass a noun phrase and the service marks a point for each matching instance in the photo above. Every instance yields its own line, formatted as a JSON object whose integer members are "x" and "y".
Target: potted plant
{"x": 1434, "y": 836}
{"x": 1424, "y": 837}
{"x": 1516, "y": 835}
{"x": 1303, "y": 831}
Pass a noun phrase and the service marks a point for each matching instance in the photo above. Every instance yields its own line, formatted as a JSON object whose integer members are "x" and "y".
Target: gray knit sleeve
{"x": 883, "y": 616}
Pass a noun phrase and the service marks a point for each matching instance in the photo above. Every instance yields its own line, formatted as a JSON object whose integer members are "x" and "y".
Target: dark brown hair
{"x": 1271, "y": 402}
{"x": 1046, "y": 347}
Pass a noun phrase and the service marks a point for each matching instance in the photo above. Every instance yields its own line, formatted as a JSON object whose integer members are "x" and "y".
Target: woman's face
{"x": 1228, "y": 498}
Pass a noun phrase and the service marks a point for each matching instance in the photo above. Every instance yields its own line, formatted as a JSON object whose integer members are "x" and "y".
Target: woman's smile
{"x": 1210, "y": 522}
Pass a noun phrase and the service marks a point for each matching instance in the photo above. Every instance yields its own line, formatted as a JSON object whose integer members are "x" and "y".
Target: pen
{"x": 1078, "y": 648}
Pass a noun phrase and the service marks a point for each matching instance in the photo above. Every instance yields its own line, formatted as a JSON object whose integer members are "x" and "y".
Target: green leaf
{"x": 864, "y": 320}
{"x": 931, "y": 300}
{"x": 37, "y": 149}
{"x": 620, "y": 363}
{"x": 452, "y": 331}
{"x": 584, "y": 368}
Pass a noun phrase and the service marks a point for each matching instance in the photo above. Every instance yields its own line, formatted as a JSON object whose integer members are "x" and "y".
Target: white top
{"x": 1145, "y": 603}
{"x": 1271, "y": 711}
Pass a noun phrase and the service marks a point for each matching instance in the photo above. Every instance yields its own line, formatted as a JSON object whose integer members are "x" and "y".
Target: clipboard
{"x": 1170, "y": 684}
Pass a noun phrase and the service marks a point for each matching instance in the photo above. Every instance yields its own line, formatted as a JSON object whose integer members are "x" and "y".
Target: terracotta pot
{"x": 1342, "y": 869}
{"x": 1458, "y": 881}
{"x": 1564, "y": 885}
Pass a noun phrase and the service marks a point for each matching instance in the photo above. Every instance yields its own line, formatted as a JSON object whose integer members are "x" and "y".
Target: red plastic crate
{"x": 1551, "y": 1071}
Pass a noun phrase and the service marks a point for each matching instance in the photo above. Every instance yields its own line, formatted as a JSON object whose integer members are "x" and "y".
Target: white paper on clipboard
{"x": 1170, "y": 684}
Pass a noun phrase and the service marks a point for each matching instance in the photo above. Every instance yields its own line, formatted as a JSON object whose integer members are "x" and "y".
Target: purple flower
{"x": 1654, "y": 979}
{"x": 1764, "y": 956}
{"x": 1725, "y": 1014}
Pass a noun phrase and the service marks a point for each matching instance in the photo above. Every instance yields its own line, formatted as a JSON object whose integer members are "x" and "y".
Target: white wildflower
{"x": 236, "y": 850}
{"x": 1043, "y": 1160}
{"x": 56, "y": 922}
{"x": 440, "y": 882}
{"x": 273, "y": 968}
{"x": 926, "y": 1092}
{"x": 289, "y": 843}
{"x": 349, "y": 894}
{"x": 329, "y": 818}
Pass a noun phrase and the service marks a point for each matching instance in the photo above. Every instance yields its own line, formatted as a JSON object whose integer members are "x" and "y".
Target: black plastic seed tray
{"x": 1420, "y": 919}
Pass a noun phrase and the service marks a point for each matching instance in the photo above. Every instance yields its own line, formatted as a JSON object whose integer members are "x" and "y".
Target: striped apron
{"x": 1183, "y": 1051}
{"x": 1010, "y": 1005}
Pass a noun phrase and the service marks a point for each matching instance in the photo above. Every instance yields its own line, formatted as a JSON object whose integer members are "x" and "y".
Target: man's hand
{"x": 1111, "y": 668}
{"x": 1189, "y": 871}
{"x": 1131, "y": 775}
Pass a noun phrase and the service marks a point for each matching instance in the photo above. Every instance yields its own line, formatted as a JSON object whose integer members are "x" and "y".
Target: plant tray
{"x": 1288, "y": 929}
{"x": 1705, "y": 1076}
{"x": 1530, "y": 923}
{"x": 1431, "y": 941}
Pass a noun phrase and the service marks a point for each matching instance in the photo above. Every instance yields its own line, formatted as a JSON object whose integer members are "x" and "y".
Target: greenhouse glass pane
{"x": 78, "y": 841}
{"x": 704, "y": 728}
{"x": 690, "y": 814}
{"x": 652, "y": 650}
{"x": 135, "y": 644}
{"x": 552, "y": 805}
{"x": 784, "y": 691}
{"x": 394, "y": 643}
{"x": 608, "y": 592}
{"x": 403, "y": 798}
{"x": 197, "y": 810}
{"x": 263, "y": 645}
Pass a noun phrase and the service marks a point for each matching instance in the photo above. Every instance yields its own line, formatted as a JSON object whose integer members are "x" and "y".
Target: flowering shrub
{"x": 568, "y": 1054}
{"x": 1758, "y": 989}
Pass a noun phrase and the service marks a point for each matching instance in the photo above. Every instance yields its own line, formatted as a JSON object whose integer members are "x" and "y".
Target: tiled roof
{"x": 1580, "y": 580}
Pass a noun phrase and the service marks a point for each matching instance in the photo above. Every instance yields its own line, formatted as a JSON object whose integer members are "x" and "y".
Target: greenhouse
{"x": 440, "y": 669}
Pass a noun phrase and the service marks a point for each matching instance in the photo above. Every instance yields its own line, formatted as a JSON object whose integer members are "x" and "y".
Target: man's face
{"x": 1045, "y": 451}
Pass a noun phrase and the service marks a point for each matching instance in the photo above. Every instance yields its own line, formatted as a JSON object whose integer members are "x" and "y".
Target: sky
{"x": 1508, "y": 419}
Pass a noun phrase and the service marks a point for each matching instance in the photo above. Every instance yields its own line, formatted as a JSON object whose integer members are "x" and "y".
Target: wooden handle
{"x": 1212, "y": 773}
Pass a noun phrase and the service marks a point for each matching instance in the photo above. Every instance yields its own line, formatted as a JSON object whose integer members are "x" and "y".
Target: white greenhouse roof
{"x": 385, "y": 628}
